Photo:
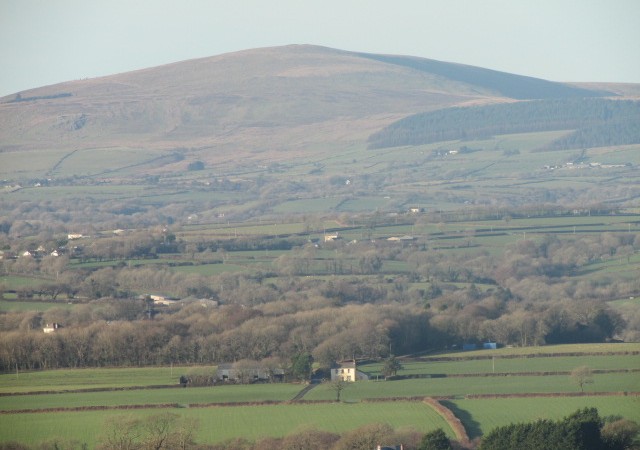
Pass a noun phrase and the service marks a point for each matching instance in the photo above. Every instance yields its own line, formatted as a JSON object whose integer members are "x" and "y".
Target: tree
{"x": 301, "y": 366}
{"x": 121, "y": 433}
{"x": 435, "y": 440}
{"x": 366, "y": 437}
{"x": 581, "y": 375}
{"x": 581, "y": 430}
{"x": 621, "y": 434}
{"x": 338, "y": 386}
{"x": 391, "y": 366}
{"x": 157, "y": 432}
{"x": 309, "y": 439}
{"x": 195, "y": 165}
{"x": 578, "y": 431}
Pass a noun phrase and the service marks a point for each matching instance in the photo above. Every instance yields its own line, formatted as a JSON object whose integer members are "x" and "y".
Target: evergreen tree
{"x": 301, "y": 366}
{"x": 435, "y": 440}
{"x": 578, "y": 431}
{"x": 391, "y": 366}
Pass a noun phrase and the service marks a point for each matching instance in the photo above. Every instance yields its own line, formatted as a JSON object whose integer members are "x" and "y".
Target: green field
{"x": 547, "y": 349}
{"x": 183, "y": 396}
{"x": 436, "y": 387}
{"x": 510, "y": 365}
{"x": 221, "y": 423}
{"x": 14, "y": 305}
{"x": 481, "y": 416}
{"x": 209, "y": 269}
{"x": 12, "y": 282}
{"x": 73, "y": 379}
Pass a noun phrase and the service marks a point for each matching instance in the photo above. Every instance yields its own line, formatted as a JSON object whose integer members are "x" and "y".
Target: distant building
{"x": 231, "y": 372}
{"x": 347, "y": 371}
{"x": 162, "y": 300}
{"x": 51, "y": 327}
{"x": 405, "y": 240}
{"x": 72, "y": 236}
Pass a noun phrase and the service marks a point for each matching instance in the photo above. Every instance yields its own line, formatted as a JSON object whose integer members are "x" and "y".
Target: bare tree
{"x": 582, "y": 375}
{"x": 121, "y": 433}
{"x": 338, "y": 386}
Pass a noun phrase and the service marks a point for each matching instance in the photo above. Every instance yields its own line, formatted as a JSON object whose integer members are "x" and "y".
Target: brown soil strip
{"x": 450, "y": 418}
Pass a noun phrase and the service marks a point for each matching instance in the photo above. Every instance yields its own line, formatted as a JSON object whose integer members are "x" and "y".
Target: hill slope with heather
{"x": 264, "y": 105}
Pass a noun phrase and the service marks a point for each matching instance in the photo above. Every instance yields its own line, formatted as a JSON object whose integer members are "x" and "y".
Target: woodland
{"x": 596, "y": 123}
{"x": 325, "y": 300}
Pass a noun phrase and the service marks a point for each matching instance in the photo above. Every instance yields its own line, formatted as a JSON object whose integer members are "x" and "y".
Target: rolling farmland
{"x": 480, "y": 402}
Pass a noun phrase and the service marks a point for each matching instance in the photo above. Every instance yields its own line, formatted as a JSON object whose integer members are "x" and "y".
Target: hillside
{"x": 506, "y": 84}
{"x": 264, "y": 105}
{"x": 597, "y": 123}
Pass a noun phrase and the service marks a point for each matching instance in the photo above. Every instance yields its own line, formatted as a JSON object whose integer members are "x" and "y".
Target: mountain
{"x": 264, "y": 105}
{"x": 507, "y": 84}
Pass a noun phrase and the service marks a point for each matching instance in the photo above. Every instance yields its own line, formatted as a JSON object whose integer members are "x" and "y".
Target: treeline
{"x": 597, "y": 122}
{"x": 19, "y": 98}
{"x": 527, "y": 295}
{"x": 582, "y": 430}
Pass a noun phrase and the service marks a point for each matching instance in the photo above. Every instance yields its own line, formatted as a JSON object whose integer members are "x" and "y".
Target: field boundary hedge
{"x": 503, "y": 374}
{"x": 304, "y": 391}
{"x": 314, "y": 402}
{"x": 554, "y": 395}
{"x": 449, "y": 417}
{"x": 516, "y": 356}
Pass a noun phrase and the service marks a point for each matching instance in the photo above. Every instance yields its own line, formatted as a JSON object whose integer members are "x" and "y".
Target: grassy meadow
{"x": 91, "y": 378}
{"x": 221, "y": 423}
{"x": 229, "y": 411}
{"x": 510, "y": 365}
{"x": 479, "y": 416}
{"x": 277, "y": 392}
{"x": 460, "y": 387}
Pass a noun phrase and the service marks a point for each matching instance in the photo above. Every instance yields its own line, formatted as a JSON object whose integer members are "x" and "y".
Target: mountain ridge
{"x": 262, "y": 104}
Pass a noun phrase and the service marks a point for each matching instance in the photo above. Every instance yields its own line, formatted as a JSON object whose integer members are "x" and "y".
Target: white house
{"x": 347, "y": 371}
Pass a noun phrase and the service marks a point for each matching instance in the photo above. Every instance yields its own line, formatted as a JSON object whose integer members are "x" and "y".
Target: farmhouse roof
{"x": 348, "y": 364}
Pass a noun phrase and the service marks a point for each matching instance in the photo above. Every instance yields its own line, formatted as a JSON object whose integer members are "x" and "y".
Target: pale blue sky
{"x": 47, "y": 41}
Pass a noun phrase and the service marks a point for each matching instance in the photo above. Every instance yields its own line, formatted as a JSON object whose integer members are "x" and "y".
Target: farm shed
{"x": 247, "y": 374}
